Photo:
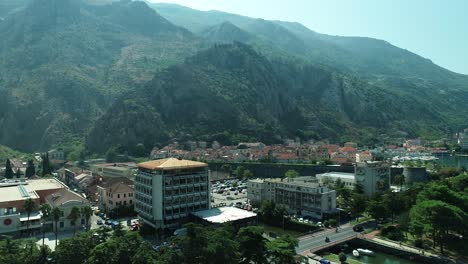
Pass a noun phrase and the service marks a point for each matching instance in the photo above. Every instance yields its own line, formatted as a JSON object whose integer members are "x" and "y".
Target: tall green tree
{"x": 46, "y": 168}
{"x": 222, "y": 247}
{"x": 87, "y": 212}
{"x": 8, "y": 170}
{"x": 438, "y": 218}
{"x": 111, "y": 155}
{"x": 74, "y": 215}
{"x": 240, "y": 171}
{"x": 377, "y": 209}
{"x": 282, "y": 250}
{"x": 29, "y": 206}
{"x": 290, "y": 174}
{"x": 252, "y": 245}
{"x": 194, "y": 244}
{"x": 248, "y": 174}
{"x": 76, "y": 249}
{"x": 226, "y": 168}
{"x": 56, "y": 214}
{"x": 18, "y": 174}
{"x": 358, "y": 204}
{"x": 399, "y": 180}
{"x": 394, "y": 204}
{"x": 30, "y": 169}
{"x": 46, "y": 212}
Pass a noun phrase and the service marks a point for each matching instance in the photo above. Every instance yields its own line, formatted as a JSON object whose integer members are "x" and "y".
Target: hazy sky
{"x": 435, "y": 29}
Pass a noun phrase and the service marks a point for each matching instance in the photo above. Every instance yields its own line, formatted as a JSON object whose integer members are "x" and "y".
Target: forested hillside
{"x": 230, "y": 93}
{"x": 120, "y": 74}
{"x": 62, "y": 63}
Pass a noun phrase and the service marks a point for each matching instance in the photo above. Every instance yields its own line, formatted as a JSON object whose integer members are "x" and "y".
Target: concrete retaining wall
{"x": 364, "y": 243}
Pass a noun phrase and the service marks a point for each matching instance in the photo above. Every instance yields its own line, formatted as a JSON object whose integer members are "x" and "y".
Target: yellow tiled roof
{"x": 171, "y": 164}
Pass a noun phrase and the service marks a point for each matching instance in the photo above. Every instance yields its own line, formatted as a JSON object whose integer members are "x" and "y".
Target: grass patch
{"x": 279, "y": 231}
{"x": 334, "y": 258}
{"x": 362, "y": 219}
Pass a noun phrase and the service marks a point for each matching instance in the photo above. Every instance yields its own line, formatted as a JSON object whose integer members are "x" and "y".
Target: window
{"x": 130, "y": 195}
{"x": 131, "y": 202}
{"x": 82, "y": 221}
{"x": 61, "y": 224}
{"x": 125, "y": 202}
{"x": 118, "y": 195}
{"x": 125, "y": 195}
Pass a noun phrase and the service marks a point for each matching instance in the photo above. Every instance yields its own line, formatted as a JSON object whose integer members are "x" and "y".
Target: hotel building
{"x": 168, "y": 190}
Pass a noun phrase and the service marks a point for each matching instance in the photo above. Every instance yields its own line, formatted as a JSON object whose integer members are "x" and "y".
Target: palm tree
{"x": 73, "y": 216}
{"x": 87, "y": 212}
{"x": 56, "y": 214}
{"x": 29, "y": 206}
{"x": 46, "y": 211}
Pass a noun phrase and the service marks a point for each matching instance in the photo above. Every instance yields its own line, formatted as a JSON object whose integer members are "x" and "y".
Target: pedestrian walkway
{"x": 50, "y": 238}
{"x": 403, "y": 247}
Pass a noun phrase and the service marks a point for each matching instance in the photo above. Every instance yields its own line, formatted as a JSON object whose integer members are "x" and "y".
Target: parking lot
{"x": 228, "y": 193}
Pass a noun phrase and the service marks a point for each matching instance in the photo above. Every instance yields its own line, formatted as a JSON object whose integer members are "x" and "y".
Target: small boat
{"x": 365, "y": 252}
{"x": 356, "y": 253}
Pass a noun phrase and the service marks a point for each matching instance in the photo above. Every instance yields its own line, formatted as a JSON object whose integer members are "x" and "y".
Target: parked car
{"x": 99, "y": 222}
{"x": 115, "y": 224}
{"x": 108, "y": 222}
{"x": 129, "y": 222}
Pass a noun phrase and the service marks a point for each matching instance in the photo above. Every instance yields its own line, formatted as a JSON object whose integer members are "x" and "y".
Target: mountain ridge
{"x": 230, "y": 93}
{"x": 102, "y": 75}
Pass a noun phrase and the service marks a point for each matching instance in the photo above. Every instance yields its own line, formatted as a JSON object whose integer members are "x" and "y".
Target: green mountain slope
{"x": 366, "y": 56}
{"x": 380, "y": 63}
{"x": 62, "y": 63}
{"x": 122, "y": 75}
{"x": 231, "y": 93}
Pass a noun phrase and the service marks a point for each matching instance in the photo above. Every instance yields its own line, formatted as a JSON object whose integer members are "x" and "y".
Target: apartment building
{"x": 168, "y": 190}
{"x": 113, "y": 192}
{"x": 302, "y": 195}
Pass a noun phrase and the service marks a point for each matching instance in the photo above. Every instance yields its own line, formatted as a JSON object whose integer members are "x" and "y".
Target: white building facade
{"x": 297, "y": 196}
{"x": 168, "y": 190}
{"x": 372, "y": 176}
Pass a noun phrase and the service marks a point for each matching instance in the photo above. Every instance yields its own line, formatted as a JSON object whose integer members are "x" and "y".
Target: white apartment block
{"x": 168, "y": 190}
{"x": 299, "y": 196}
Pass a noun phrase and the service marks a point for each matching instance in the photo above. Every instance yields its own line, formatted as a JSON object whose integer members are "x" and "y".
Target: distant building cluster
{"x": 293, "y": 151}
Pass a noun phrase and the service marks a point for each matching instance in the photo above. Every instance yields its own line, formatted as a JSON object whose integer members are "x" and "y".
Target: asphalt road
{"x": 315, "y": 240}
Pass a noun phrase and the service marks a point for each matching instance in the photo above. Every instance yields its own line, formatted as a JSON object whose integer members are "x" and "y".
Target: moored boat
{"x": 367, "y": 252}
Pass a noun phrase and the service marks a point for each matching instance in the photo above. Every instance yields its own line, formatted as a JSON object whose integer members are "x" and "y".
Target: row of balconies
{"x": 192, "y": 204}
{"x": 187, "y": 185}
